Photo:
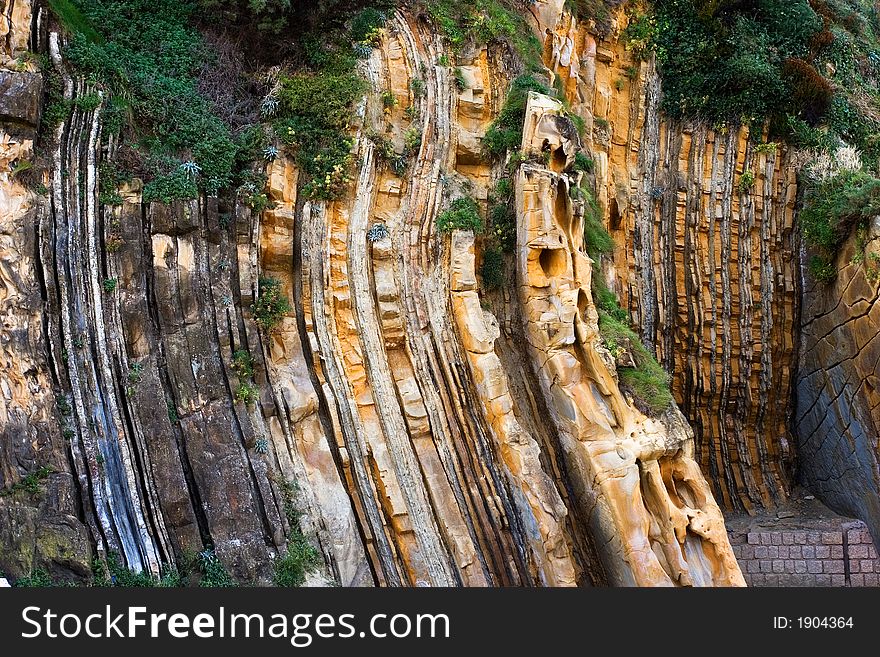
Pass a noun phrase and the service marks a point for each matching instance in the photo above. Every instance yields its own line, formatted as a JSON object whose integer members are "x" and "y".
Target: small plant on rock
{"x": 746, "y": 181}
{"x": 377, "y": 232}
{"x": 243, "y": 364}
{"x": 246, "y": 393}
{"x": 463, "y": 214}
{"x": 271, "y": 304}
{"x": 190, "y": 169}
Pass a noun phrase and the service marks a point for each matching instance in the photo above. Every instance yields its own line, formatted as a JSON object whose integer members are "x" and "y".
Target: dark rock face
{"x": 838, "y": 410}
{"x": 20, "y": 96}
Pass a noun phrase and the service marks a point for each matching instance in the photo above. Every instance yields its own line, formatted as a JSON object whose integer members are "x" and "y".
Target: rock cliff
{"x": 403, "y": 420}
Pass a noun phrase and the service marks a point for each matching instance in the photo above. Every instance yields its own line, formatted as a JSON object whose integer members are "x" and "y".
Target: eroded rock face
{"x": 46, "y": 528}
{"x": 422, "y": 438}
{"x": 838, "y": 409}
{"x": 706, "y": 259}
{"x": 650, "y": 507}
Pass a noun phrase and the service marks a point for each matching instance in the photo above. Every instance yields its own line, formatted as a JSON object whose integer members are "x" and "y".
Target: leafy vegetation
{"x": 724, "y": 60}
{"x": 113, "y": 574}
{"x": 213, "y": 572}
{"x": 463, "y": 214}
{"x": 505, "y": 132}
{"x": 492, "y": 269}
{"x": 31, "y": 483}
{"x": 485, "y": 21}
{"x": 117, "y": 575}
{"x": 301, "y": 556}
{"x": 242, "y": 364}
{"x": 37, "y": 579}
{"x": 647, "y": 381}
{"x": 831, "y": 209}
{"x": 271, "y": 304}
{"x": 246, "y": 393}
{"x": 146, "y": 55}
{"x": 596, "y": 239}
{"x": 312, "y": 109}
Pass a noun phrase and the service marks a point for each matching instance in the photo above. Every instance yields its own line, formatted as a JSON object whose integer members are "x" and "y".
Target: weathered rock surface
{"x": 647, "y": 502}
{"x": 427, "y": 433}
{"x": 20, "y": 97}
{"x": 838, "y": 409}
{"x": 706, "y": 264}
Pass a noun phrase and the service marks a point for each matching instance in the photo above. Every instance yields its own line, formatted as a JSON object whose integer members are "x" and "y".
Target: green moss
{"x": 463, "y": 214}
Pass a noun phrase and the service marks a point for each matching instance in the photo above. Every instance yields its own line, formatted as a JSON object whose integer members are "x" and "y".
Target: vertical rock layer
{"x": 416, "y": 436}
{"x": 705, "y": 261}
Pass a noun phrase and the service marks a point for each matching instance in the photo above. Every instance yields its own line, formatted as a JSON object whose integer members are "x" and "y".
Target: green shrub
{"x": 301, "y": 557}
{"x": 463, "y": 214}
{"x": 366, "y": 23}
{"x": 638, "y": 35}
{"x": 37, "y": 579}
{"x": 596, "y": 238}
{"x": 242, "y": 364}
{"x": 460, "y": 82}
{"x": 582, "y": 162}
{"x": 492, "y": 269}
{"x": 502, "y": 218}
{"x": 313, "y": 119}
{"x": 746, "y": 181}
{"x": 831, "y": 209}
{"x": 73, "y": 20}
{"x": 271, "y": 304}
{"x": 214, "y": 574}
{"x": 822, "y": 269}
{"x": 246, "y": 393}
{"x": 485, "y": 21}
{"x": 724, "y": 61}
{"x": 506, "y": 131}
{"x": 32, "y": 483}
{"x": 147, "y": 57}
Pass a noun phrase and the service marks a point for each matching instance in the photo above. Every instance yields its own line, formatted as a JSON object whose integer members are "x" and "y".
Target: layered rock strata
{"x": 706, "y": 259}
{"x": 414, "y": 435}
